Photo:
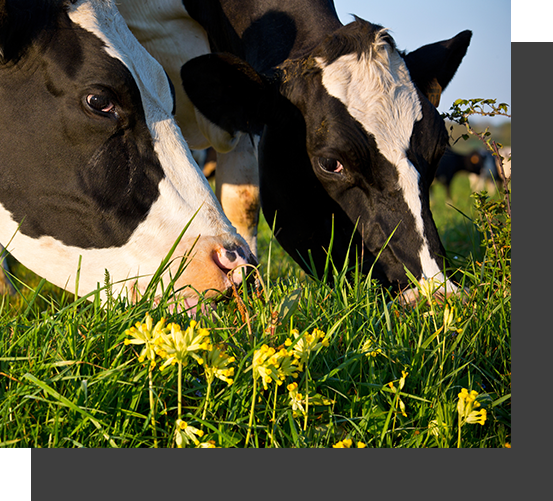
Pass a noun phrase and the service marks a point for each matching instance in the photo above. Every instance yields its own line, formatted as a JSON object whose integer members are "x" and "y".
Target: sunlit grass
{"x": 385, "y": 375}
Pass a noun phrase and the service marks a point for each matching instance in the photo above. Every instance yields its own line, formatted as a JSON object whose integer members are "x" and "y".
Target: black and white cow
{"x": 92, "y": 162}
{"x": 349, "y": 135}
{"x": 453, "y": 162}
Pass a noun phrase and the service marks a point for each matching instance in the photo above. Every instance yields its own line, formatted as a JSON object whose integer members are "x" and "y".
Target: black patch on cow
{"x": 84, "y": 176}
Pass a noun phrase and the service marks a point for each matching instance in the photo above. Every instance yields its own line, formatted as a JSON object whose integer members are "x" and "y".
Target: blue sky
{"x": 486, "y": 69}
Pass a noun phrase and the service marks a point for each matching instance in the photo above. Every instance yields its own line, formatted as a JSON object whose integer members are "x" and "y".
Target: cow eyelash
{"x": 100, "y": 103}
{"x": 330, "y": 165}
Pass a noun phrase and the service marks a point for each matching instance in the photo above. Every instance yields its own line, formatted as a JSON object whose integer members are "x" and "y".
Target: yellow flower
{"x": 185, "y": 433}
{"x": 216, "y": 365}
{"x": 477, "y": 417}
{"x": 307, "y": 343}
{"x": 147, "y": 334}
{"x": 370, "y": 348}
{"x": 428, "y": 287}
{"x": 296, "y": 399}
{"x": 345, "y": 444}
{"x": 265, "y": 365}
{"x": 286, "y": 365}
{"x": 449, "y": 315}
{"x": 361, "y": 445}
{"x": 210, "y": 444}
{"x": 401, "y": 384}
{"x": 466, "y": 408}
{"x": 177, "y": 345}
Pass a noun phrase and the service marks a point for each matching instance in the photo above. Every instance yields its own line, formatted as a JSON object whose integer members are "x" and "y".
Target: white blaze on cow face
{"x": 378, "y": 92}
{"x": 184, "y": 193}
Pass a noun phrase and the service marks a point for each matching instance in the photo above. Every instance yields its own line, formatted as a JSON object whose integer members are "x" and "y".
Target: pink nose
{"x": 235, "y": 259}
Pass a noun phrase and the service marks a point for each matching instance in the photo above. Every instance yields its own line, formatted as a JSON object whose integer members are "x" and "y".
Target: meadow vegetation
{"x": 289, "y": 362}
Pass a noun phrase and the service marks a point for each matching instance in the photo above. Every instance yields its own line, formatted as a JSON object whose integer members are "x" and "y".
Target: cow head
{"x": 92, "y": 163}
{"x": 350, "y": 141}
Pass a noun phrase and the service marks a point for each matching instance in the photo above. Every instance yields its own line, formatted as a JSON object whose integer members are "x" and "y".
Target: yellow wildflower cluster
{"x": 271, "y": 365}
{"x": 466, "y": 407}
{"x": 275, "y": 364}
{"x": 175, "y": 345}
{"x": 146, "y": 334}
{"x": 305, "y": 344}
{"x": 347, "y": 443}
{"x": 216, "y": 365}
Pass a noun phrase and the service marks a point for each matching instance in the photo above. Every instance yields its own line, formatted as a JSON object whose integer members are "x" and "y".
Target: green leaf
{"x": 289, "y": 305}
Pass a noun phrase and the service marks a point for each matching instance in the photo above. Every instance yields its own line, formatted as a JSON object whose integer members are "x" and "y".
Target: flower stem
{"x": 306, "y": 395}
{"x": 273, "y": 418}
{"x": 206, "y": 399}
{"x": 152, "y": 409}
{"x": 251, "y": 411}
{"x": 459, "y": 433}
{"x": 179, "y": 395}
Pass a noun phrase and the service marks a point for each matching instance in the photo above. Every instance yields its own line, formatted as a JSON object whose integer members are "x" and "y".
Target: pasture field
{"x": 292, "y": 363}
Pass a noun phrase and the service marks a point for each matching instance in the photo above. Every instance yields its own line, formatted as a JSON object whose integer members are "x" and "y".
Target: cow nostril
{"x": 231, "y": 256}
{"x": 228, "y": 259}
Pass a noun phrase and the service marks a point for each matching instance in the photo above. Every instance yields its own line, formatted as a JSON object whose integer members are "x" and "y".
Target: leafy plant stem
{"x": 152, "y": 405}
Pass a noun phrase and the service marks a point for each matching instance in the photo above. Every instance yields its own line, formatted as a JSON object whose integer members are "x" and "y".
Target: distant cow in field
{"x": 92, "y": 162}
{"x": 481, "y": 166}
{"x": 345, "y": 125}
{"x": 453, "y": 162}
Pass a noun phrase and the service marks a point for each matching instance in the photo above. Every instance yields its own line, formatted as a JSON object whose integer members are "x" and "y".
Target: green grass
{"x": 67, "y": 379}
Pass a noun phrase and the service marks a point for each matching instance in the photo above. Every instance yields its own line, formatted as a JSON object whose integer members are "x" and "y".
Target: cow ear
{"x": 227, "y": 91}
{"x": 433, "y": 66}
{"x": 20, "y": 23}
{"x": 5, "y": 32}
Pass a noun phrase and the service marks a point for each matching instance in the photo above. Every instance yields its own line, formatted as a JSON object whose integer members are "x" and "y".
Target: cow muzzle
{"x": 215, "y": 269}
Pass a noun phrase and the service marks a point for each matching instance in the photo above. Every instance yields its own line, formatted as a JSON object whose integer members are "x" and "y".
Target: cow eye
{"x": 330, "y": 165}
{"x": 101, "y": 103}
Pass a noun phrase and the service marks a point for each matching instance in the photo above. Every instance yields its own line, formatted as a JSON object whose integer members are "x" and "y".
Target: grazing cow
{"x": 453, "y": 162}
{"x": 488, "y": 176}
{"x": 92, "y": 163}
{"x": 346, "y": 125}
{"x": 482, "y": 168}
